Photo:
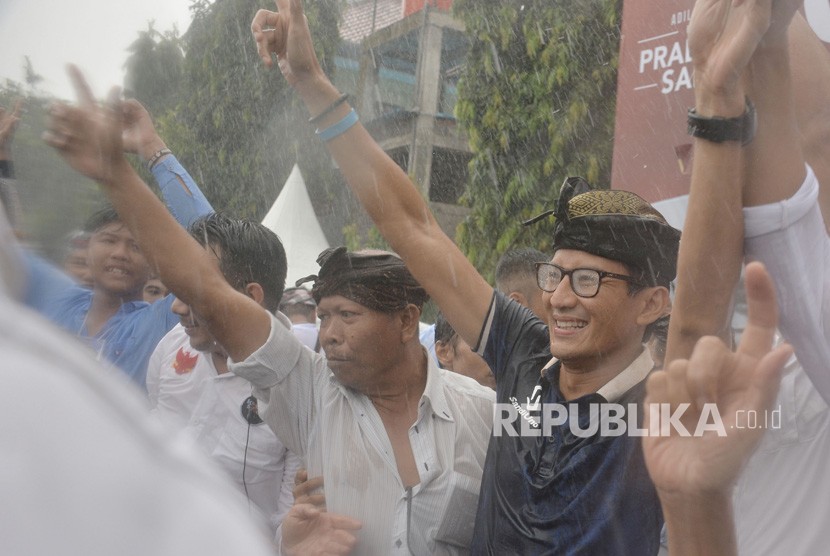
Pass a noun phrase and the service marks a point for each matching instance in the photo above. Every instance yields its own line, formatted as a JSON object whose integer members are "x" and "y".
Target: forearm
{"x": 711, "y": 248}
{"x": 403, "y": 217}
{"x": 183, "y": 197}
{"x": 699, "y": 525}
{"x": 775, "y": 167}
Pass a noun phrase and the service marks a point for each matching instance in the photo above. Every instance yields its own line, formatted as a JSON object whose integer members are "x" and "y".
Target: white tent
{"x": 292, "y": 218}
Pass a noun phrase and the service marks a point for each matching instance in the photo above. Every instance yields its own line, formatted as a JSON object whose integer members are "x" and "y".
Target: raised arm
{"x": 183, "y": 197}
{"x": 88, "y": 137}
{"x": 390, "y": 198}
{"x": 721, "y": 41}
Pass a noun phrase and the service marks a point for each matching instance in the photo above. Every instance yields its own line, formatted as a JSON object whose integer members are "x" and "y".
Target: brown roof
{"x": 357, "y": 17}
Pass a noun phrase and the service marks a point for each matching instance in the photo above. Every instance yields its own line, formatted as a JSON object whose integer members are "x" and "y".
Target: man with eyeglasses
{"x": 558, "y": 493}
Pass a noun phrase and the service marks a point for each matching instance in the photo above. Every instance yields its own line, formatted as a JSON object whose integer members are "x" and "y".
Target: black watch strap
{"x": 720, "y": 130}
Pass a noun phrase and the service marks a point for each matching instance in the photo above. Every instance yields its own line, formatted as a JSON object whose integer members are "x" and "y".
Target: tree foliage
{"x": 155, "y": 68}
{"x": 537, "y": 102}
{"x": 235, "y": 125}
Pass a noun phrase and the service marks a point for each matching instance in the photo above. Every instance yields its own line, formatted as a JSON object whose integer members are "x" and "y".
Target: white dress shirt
{"x": 189, "y": 390}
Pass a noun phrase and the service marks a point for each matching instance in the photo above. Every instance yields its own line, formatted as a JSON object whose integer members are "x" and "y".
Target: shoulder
{"x": 458, "y": 386}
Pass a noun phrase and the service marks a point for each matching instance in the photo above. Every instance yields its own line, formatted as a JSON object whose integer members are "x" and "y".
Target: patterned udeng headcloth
{"x": 378, "y": 280}
{"x": 617, "y": 225}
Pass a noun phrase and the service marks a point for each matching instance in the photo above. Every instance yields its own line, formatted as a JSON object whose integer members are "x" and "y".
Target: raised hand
{"x": 746, "y": 380}
{"x": 88, "y": 136}
{"x": 309, "y": 531}
{"x": 8, "y": 125}
{"x": 285, "y": 34}
{"x": 723, "y": 34}
{"x": 139, "y": 135}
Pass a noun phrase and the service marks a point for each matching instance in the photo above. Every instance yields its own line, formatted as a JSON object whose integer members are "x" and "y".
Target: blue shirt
{"x": 130, "y": 336}
{"x": 559, "y": 494}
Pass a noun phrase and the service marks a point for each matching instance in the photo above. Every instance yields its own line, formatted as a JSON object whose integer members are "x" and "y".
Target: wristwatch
{"x": 719, "y": 130}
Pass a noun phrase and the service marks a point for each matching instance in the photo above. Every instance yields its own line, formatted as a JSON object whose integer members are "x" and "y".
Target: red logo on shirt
{"x": 185, "y": 361}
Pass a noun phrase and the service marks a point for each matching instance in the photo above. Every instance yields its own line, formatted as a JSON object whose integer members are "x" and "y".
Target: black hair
{"x": 518, "y": 263}
{"x": 444, "y": 332}
{"x": 101, "y": 218}
{"x": 249, "y": 252}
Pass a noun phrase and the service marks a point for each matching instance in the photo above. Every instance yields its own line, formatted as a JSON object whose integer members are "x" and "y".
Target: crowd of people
{"x": 347, "y": 428}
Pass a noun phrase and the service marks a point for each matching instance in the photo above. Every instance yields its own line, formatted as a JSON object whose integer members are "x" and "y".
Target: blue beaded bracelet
{"x": 339, "y": 128}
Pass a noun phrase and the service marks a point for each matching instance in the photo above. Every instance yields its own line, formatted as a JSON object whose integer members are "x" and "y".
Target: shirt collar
{"x": 635, "y": 373}
{"x": 434, "y": 393}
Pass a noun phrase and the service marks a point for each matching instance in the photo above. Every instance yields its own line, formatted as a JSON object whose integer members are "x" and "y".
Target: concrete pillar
{"x": 428, "y": 90}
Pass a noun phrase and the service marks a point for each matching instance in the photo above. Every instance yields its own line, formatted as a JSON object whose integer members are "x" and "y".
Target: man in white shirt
{"x": 189, "y": 385}
{"x": 301, "y": 309}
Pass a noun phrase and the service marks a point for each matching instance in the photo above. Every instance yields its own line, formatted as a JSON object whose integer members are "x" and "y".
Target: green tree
{"x": 237, "y": 126}
{"x": 154, "y": 69}
{"x": 537, "y": 101}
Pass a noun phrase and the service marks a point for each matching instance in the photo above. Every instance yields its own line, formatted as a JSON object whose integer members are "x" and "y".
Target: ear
{"x": 656, "y": 303}
{"x": 445, "y": 354}
{"x": 519, "y": 298}
{"x": 255, "y": 292}
{"x": 410, "y": 319}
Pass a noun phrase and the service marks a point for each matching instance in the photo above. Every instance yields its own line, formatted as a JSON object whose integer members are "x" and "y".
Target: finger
{"x": 656, "y": 393}
{"x": 300, "y": 477}
{"x": 308, "y": 486}
{"x": 283, "y": 6}
{"x": 130, "y": 108}
{"x": 115, "y": 111}
{"x": 316, "y": 500}
{"x": 305, "y": 511}
{"x": 762, "y": 318}
{"x": 297, "y": 12}
{"x": 82, "y": 90}
{"x": 710, "y": 359}
{"x": 676, "y": 389}
{"x": 54, "y": 140}
{"x": 263, "y": 37}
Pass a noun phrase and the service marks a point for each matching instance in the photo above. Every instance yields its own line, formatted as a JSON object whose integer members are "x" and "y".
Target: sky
{"x": 93, "y": 34}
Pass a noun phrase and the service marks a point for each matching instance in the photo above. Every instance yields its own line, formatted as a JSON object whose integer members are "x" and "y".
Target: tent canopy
{"x": 292, "y": 218}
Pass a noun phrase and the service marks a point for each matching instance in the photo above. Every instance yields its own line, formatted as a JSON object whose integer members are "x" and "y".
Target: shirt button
{"x": 398, "y": 543}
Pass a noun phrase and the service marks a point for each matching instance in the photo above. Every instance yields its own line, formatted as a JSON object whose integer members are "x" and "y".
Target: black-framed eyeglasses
{"x": 585, "y": 282}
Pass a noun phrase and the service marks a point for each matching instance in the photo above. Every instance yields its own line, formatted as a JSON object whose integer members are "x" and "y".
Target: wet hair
{"x": 100, "y": 218}
{"x": 444, "y": 332}
{"x": 518, "y": 265}
{"x": 249, "y": 253}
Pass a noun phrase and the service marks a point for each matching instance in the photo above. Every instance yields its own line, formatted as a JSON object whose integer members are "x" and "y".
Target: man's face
{"x": 116, "y": 263}
{"x": 459, "y": 357}
{"x": 360, "y": 343}
{"x": 76, "y": 266}
{"x": 584, "y": 331}
{"x": 200, "y": 338}
{"x": 154, "y": 290}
